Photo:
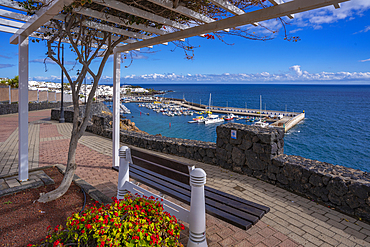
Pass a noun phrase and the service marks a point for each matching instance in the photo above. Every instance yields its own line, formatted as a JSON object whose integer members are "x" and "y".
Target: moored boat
{"x": 212, "y": 119}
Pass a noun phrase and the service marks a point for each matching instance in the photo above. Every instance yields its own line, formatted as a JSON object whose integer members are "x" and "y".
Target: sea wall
{"x": 259, "y": 152}
{"x": 13, "y": 108}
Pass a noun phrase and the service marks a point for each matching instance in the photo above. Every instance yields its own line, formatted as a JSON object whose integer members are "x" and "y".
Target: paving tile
{"x": 350, "y": 224}
{"x": 314, "y": 240}
{"x": 271, "y": 241}
{"x": 355, "y": 233}
{"x": 359, "y": 241}
{"x": 288, "y": 243}
{"x": 255, "y": 238}
{"x": 267, "y": 232}
{"x": 244, "y": 243}
{"x": 311, "y": 231}
{"x": 238, "y": 236}
{"x": 336, "y": 224}
{"x": 12, "y": 182}
{"x": 325, "y": 231}
{"x": 261, "y": 245}
{"x": 297, "y": 238}
{"x": 280, "y": 236}
{"x": 227, "y": 242}
{"x": 328, "y": 239}
{"x": 344, "y": 240}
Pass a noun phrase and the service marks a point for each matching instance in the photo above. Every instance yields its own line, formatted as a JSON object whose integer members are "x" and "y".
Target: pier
{"x": 288, "y": 120}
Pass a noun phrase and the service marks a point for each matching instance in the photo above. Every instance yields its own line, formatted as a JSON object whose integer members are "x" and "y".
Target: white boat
{"x": 212, "y": 119}
{"x": 259, "y": 123}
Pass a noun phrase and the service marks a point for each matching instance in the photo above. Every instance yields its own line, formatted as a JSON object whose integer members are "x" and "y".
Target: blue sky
{"x": 334, "y": 48}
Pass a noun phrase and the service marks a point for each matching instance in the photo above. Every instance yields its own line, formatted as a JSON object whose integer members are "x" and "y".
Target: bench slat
{"x": 237, "y": 205}
{"x": 163, "y": 186}
{"x": 232, "y": 219}
{"x": 238, "y": 199}
{"x": 163, "y": 170}
{"x": 170, "y": 163}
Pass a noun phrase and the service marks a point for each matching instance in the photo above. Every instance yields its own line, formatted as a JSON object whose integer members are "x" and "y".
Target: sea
{"x": 336, "y": 128}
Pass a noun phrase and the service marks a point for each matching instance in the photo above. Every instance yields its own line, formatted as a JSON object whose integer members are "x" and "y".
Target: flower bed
{"x": 134, "y": 221}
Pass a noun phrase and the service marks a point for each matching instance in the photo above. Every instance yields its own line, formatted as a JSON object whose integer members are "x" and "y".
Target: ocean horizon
{"x": 335, "y": 129}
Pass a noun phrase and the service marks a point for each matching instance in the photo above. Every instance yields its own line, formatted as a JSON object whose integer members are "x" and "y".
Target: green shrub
{"x": 134, "y": 221}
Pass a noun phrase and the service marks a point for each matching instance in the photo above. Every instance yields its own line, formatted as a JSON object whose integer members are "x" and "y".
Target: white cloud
{"x": 317, "y": 17}
{"x": 296, "y": 69}
{"x": 295, "y": 74}
{"x": 365, "y": 60}
{"x": 366, "y": 29}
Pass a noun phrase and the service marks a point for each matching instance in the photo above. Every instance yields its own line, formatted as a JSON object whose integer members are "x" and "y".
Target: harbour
{"x": 278, "y": 119}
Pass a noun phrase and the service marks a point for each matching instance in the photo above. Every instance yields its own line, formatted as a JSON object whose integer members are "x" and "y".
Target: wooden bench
{"x": 172, "y": 178}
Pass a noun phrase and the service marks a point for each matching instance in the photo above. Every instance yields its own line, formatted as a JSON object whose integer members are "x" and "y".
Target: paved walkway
{"x": 292, "y": 221}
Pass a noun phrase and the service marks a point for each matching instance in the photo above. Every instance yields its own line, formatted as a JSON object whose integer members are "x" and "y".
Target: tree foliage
{"x": 13, "y": 83}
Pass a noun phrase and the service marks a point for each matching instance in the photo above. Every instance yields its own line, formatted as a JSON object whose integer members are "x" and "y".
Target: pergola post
{"x": 116, "y": 106}
{"x": 23, "y": 108}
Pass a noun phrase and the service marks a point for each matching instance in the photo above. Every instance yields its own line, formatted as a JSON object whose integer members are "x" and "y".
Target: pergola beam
{"x": 288, "y": 8}
{"x": 11, "y": 4}
{"x": 117, "y": 20}
{"x": 226, "y": 5}
{"x": 140, "y": 13}
{"x": 42, "y": 16}
{"x": 11, "y": 23}
{"x": 277, "y": 2}
{"x": 183, "y": 10}
{"x": 106, "y": 28}
{"x": 13, "y": 15}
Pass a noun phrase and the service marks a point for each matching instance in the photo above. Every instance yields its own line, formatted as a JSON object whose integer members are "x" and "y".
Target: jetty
{"x": 279, "y": 119}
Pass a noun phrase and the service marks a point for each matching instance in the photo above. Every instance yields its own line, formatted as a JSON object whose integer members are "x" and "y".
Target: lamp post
{"x": 61, "y": 118}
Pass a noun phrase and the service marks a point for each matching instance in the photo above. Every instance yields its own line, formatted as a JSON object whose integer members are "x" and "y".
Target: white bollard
{"x": 197, "y": 216}
{"x": 123, "y": 175}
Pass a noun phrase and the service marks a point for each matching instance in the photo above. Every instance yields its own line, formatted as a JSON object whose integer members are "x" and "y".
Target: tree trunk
{"x": 69, "y": 172}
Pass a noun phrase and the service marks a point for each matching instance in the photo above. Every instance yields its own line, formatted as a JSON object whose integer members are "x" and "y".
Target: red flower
{"x": 56, "y": 243}
{"x": 88, "y": 226}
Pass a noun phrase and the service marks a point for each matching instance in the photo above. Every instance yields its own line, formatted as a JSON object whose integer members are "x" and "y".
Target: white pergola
{"x": 22, "y": 27}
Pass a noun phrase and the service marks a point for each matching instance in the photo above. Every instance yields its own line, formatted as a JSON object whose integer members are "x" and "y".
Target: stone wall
{"x": 96, "y": 108}
{"x": 259, "y": 152}
{"x": 252, "y": 149}
{"x": 13, "y": 108}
